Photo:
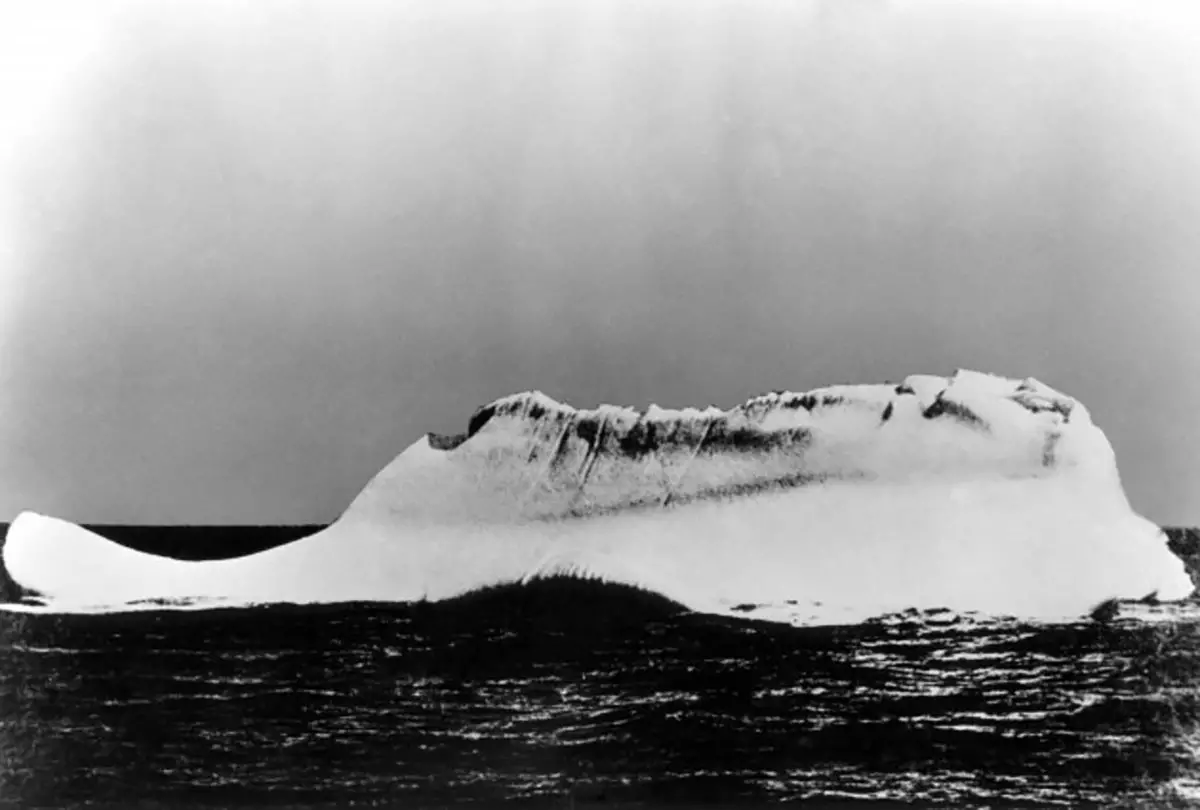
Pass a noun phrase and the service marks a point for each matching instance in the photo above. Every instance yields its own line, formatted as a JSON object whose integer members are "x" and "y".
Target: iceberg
{"x": 973, "y": 493}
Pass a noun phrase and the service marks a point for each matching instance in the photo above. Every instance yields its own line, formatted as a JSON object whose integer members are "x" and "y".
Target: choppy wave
{"x": 566, "y": 691}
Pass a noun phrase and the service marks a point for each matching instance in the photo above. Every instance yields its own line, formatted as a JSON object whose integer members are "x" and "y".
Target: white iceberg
{"x": 974, "y": 493}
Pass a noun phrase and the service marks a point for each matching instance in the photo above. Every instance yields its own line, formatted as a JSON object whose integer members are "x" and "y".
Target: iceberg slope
{"x": 973, "y": 492}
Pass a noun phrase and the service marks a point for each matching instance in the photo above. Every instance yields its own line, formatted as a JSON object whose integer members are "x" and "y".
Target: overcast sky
{"x": 250, "y": 251}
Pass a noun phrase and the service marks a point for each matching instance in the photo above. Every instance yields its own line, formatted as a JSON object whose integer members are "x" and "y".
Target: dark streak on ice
{"x": 479, "y": 419}
{"x": 730, "y": 491}
{"x": 722, "y": 437}
{"x": 641, "y": 439}
{"x": 587, "y": 428}
{"x": 1048, "y": 457}
{"x": 806, "y": 401}
{"x": 439, "y": 442}
{"x": 945, "y": 407}
{"x": 1038, "y": 405}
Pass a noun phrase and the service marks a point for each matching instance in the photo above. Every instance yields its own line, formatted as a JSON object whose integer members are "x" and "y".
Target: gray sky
{"x": 251, "y": 251}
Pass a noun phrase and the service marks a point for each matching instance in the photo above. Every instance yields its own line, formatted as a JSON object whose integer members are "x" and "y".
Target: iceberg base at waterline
{"x": 973, "y": 493}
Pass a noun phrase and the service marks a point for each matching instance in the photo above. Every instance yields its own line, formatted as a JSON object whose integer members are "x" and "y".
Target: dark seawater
{"x": 574, "y": 694}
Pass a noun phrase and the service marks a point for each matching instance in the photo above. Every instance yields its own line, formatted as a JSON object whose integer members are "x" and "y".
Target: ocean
{"x": 577, "y": 694}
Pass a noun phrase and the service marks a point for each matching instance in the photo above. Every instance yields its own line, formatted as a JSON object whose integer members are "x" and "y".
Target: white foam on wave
{"x": 974, "y": 493}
